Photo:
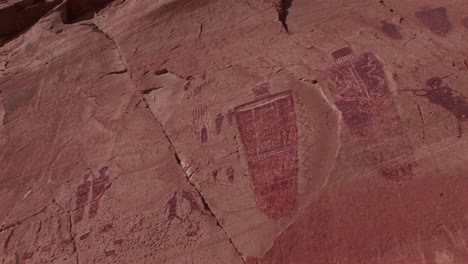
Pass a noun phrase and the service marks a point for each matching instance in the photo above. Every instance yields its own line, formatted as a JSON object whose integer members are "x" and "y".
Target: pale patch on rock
{"x": 443, "y": 257}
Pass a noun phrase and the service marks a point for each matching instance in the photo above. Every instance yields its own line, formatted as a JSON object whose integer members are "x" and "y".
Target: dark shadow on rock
{"x": 282, "y": 8}
{"x": 79, "y": 10}
{"x": 19, "y": 17}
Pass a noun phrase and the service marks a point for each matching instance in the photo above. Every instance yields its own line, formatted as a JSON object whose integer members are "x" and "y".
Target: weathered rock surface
{"x": 17, "y": 16}
{"x": 205, "y": 131}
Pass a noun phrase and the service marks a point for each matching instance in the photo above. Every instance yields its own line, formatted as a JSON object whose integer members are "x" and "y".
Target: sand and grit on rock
{"x": 226, "y": 131}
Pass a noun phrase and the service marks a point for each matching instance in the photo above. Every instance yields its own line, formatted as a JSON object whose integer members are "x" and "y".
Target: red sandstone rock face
{"x": 82, "y": 9}
{"x": 16, "y": 16}
{"x": 233, "y": 131}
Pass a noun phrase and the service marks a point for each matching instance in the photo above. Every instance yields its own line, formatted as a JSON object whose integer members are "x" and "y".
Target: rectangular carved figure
{"x": 268, "y": 133}
{"x": 368, "y": 111}
{"x": 360, "y": 90}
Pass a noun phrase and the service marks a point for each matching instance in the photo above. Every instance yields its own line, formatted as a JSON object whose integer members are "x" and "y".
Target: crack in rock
{"x": 72, "y": 238}
{"x": 95, "y": 28}
{"x": 98, "y": 30}
{"x": 205, "y": 203}
{"x": 422, "y": 122}
{"x": 113, "y": 73}
{"x": 4, "y": 227}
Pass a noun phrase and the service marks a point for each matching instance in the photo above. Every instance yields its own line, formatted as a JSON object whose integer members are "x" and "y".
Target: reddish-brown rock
{"x": 82, "y": 9}
{"x": 16, "y": 16}
{"x": 464, "y": 22}
{"x": 206, "y": 131}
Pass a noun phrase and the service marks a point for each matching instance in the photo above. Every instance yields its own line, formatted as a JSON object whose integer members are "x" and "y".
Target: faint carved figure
{"x": 99, "y": 185}
{"x": 395, "y": 170}
{"x": 172, "y": 207}
{"x": 204, "y": 134}
{"x": 200, "y": 122}
{"x": 282, "y": 7}
{"x": 464, "y": 22}
{"x": 219, "y": 122}
{"x": 391, "y": 30}
{"x": 191, "y": 200}
{"x": 363, "y": 98}
{"x": 28, "y": 255}
{"x": 215, "y": 174}
{"x": 445, "y": 97}
{"x": 181, "y": 205}
{"x": 230, "y": 116}
{"x": 106, "y": 228}
{"x": 359, "y": 81}
{"x": 436, "y": 19}
{"x": 230, "y": 174}
{"x": 268, "y": 133}
{"x": 85, "y": 236}
{"x": 82, "y": 197}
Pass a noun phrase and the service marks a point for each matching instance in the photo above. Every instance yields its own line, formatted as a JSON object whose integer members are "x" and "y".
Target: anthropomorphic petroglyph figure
{"x": 181, "y": 205}
{"x": 361, "y": 94}
{"x": 282, "y": 7}
{"x": 268, "y": 133}
{"x": 214, "y": 173}
{"x": 96, "y": 187}
{"x": 99, "y": 186}
{"x": 172, "y": 208}
{"x": 200, "y": 122}
{"x": 445, "y": 97}
{"x": 230, "y": 174}
{"x": 359, "y": 85}
{"x": 82, "y": 197}
{"x": 219, "y": 122}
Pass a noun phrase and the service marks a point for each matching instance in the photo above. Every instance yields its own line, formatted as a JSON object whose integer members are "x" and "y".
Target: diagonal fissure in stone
{"x": 176, "y": 155}
{"x": 189, "y": 180}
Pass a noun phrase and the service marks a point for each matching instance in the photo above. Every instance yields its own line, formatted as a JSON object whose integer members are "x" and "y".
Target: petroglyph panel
{"x": 180, "y": 208}
{"x": 97, "y": 187}
{"x": 361, "y": 94}
{"x": 219, "y": 122}
{"x": 230, "y": 174}
{"x": 200, "y": 122}
{"x": 442, "y": 95}
{"x": 268, "y": 132}
{"x": 447, "y": 98}
{"x": 82, "y": 197}
{"x": 359, "y": 85}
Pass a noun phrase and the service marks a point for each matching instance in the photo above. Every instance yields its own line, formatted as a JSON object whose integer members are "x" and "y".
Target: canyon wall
{"x": 226, "y": 131}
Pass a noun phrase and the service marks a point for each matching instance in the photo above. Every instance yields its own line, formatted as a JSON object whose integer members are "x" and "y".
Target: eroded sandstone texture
{"x": 16, "y": 16}
{"x": 226, "y": 131}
